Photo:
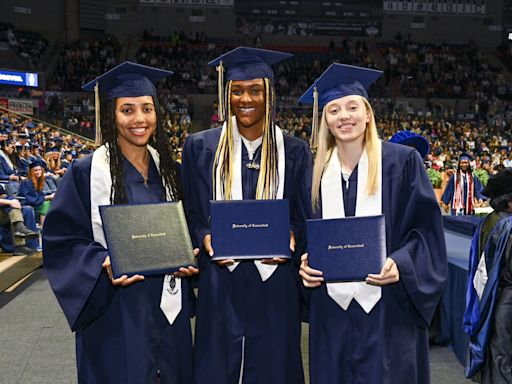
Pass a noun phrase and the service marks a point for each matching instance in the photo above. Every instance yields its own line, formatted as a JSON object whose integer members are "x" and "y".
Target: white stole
{"x": 6, "y": 158}
{"x": 101, "y": 184}
{"x": 333, "y": 207}
{"x": 265, "y": 270}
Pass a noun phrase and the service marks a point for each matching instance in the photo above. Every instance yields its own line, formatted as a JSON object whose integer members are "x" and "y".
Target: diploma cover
{"x": 250, "y": 229}
{"x": 148, "y": 239}
{"x": 347, "y": 249}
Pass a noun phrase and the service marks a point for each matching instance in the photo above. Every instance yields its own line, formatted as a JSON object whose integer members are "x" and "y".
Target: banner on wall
{"x": 188, "y": 3}
{"x": 21, "y": 106}
{"x": 436, "y": 7}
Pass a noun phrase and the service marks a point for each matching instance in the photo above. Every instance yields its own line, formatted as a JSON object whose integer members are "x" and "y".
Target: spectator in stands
{"x": 32, "y": 190}
{"x": 10, "y": 212}
{"x": 8, "y": 159}
{"x": 464, "y": 190}
{"x": 52, "y": 158}
{"x": 489, "y": 291}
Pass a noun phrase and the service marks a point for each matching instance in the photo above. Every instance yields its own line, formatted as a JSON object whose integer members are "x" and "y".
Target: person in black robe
{"x": 248, "y": 323}
{"x": 373, "y": 331}
{"x": 489, "y": 293}
{"x": 122, "y": 334}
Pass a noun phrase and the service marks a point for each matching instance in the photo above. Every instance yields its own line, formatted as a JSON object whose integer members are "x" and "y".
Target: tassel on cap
{"x": 314, "y": 122}
{"x": 98, "y": 138}
{"x": 220, "y": 87}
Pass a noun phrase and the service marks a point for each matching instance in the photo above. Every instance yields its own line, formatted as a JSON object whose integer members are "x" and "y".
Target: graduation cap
{"x": 465, "y": 156}
{"x": 30, "y": 125}
{"x": 244, "y": 63}
{"x": 128, "y": 79}
{"x": 56, "y": 139}
{"x": 36, "y": 163}
{"x": 337, "y": 81}
{"x": 499, "y": 188}
{"x": 412, "y": 140}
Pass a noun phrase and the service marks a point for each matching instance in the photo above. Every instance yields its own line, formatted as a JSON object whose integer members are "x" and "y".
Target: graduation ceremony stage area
{"x": 38, "y": 347}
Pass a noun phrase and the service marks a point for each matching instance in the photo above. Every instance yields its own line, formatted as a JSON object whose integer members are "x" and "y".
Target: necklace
{"x": 253, "y": 164}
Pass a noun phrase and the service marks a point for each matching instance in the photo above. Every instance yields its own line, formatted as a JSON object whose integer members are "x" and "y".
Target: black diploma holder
{"x": 147, "y": 239}
{"x": 347, "y": 249}
{"x": 250, "y": 229}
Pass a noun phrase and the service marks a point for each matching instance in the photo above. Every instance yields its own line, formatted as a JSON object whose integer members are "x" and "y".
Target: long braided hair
{"x": 268, "y": 179}
{"x": 168, "y": 170}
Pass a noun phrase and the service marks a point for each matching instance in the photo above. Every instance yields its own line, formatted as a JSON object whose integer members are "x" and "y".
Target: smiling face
{"x": 347, "y": 118}
{"x": 135, "y": 121}
{"x": 248, "y": 104}
{"x": 37, "y": 171}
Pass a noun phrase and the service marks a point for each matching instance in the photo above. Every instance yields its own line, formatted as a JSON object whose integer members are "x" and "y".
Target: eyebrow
{"x": 134, "y": 104}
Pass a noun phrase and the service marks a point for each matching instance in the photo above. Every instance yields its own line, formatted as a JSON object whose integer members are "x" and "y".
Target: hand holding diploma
{"x": 281, "y": 260}
{"x": 388, "y": 275}
{"x": 207, "y": 243}
{"x": 124, "y": 280}
{"x": 311, "y": 278}
{"x": 188, "y": 271}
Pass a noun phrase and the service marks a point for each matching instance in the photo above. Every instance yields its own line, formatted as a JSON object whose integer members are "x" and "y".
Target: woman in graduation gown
{"x": 122, "y": 334}
{"x": 374, "y": 331}
{"x": 248, "y": 313}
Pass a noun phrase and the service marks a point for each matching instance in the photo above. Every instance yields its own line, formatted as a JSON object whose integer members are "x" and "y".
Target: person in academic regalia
{"x": 464, "y": 189}
{"x": 32, "y": 190}
{"x": 413, "y": 140}
{"x": 489, "y": 292}
{"x": 248, "y": 319}
{"x": 373, "y": 331}
{"x": 128, "y": 329}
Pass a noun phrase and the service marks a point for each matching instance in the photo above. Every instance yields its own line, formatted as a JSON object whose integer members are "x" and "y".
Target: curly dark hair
{"x": 168, "y": 168}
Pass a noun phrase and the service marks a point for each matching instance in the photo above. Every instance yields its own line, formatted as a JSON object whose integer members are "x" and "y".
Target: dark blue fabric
{"x": 340, "y": 80}
{"x": 29, "y": 219}
{"x": 32, "y": 197}
{"x": 5, "y": 169}
{"x": 479, "y": 312}
{"x": 236, "y": 304}
{"x": 465, "y": 225}
{"x": 390, "y": 345}
{"x": 121, "y": 333}
{"x": 449, "y": 191}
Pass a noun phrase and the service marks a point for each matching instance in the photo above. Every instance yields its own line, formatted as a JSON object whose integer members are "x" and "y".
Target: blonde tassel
{"x": 313, "y": 142}
{"x": 220, "y": 89}
{"x": 98, "y": 138}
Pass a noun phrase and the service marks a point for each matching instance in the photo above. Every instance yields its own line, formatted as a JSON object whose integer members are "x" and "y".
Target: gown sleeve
{"x": 300, "y": 209}
{"x": 448, "y": 191}
{"x": 418, "y": 245}
{"x": 72, "y": 259}
{"x": 192, "y": 195}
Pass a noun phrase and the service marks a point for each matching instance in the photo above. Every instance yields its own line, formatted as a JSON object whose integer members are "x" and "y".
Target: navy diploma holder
{"x": 250, "y": 229}
{"x": 148, "y": 239}
{"x": 347, "y": 249}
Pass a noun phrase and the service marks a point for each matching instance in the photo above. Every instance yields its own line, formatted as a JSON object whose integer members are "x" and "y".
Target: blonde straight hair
{"x": 324, "y": 152}
{"x": 268, "y": 178}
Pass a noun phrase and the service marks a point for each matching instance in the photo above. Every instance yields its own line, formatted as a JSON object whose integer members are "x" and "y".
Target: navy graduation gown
{"x": 390, "y": 344}
{"x": 122, "y": 336}
{"x": 449, "y": 192}
{"x": 233, "y": 305}
{"x": 5, "y": 170}
{"x": 31, "y": 195}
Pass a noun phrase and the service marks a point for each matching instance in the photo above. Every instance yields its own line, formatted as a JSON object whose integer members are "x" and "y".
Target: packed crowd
{"x": 81, "y": 60}
{"x": 442, "y": 70}
{"x": 31, "y": 46}
{"x": 411, "y": 69}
